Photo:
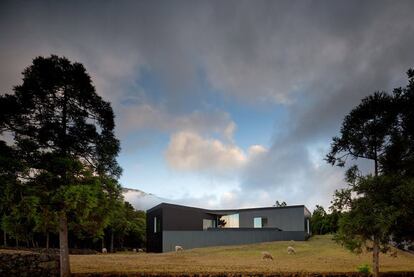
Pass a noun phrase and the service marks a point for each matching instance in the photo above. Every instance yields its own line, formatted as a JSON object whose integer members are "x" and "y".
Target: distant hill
{"x": 141, "y": 200}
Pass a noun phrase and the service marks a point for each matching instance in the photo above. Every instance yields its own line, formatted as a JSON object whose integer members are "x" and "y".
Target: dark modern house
{"x": 169, "y": 225}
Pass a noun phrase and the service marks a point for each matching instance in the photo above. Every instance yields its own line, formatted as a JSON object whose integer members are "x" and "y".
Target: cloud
{"x": 158, "y": 118}
{"x": 315, "y": 59}
{"x": 188, "y": 151}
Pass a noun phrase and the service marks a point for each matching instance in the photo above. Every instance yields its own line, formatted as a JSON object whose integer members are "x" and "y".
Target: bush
{"x": 364, "y": 269}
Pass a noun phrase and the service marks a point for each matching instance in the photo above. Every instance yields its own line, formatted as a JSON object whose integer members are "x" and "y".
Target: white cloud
{"x": 256, "y": 150}
{"x": 149, "y": 117}
{"x": 308, "y": 55}
{"x": 189, "y": 151}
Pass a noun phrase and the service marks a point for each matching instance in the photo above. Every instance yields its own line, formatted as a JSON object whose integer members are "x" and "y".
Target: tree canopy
{"x": 64, "y": 134}
{"x": 374, "y": 208}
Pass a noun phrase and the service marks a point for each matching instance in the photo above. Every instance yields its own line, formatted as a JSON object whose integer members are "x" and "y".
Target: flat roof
{"x": 224, "y": 211}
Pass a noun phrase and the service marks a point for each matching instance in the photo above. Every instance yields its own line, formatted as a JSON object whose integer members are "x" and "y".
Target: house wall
{"x": 286, "y": 219}
{"x": 215, "y": 237}
{"x": 154, "y": 240}
{"x": 184, "y": 218}
{"x": 180, "y": 225}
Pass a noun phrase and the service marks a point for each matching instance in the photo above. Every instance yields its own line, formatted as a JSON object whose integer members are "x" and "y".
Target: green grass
{"x": 319, "y": 254}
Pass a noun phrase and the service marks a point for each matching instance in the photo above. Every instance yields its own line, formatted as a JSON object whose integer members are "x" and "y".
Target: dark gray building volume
{"x": 169, "y": 225}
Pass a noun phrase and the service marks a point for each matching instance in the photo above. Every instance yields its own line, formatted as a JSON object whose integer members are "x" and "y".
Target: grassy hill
{"x": 319, "y": 254}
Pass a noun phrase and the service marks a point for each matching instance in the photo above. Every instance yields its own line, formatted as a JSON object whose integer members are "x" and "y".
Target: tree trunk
{"x": 112, "y": 242}
{"x": 375, "y": 258}
{"x": 103, "y": 242}
{"x": 47, "y": 240}
{"x": 17, "y": 242}
{"x": 64, "y": 246}
{"x": 375, "y": 250}
{"x": 5, "y": 238}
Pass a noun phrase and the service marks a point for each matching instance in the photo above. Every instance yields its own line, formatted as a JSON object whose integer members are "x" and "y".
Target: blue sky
{"x": 221, "y": 104}
{"x": 145, "y": 167}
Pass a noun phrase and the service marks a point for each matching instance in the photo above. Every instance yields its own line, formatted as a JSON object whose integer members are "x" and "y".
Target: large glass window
{"x": 260, "y": 222}
{"x": 257, "y": 222}
{"x": 208, "y": 223}
{"x": 231, "y": 220}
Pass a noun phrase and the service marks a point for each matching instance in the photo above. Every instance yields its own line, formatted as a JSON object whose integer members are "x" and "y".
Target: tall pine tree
{"x": 63, "y": 130}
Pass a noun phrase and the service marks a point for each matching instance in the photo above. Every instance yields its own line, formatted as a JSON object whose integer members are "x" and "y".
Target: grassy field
{"x": 319, "y": 254}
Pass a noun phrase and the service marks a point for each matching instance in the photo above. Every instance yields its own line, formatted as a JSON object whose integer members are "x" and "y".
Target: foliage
{"x": 364, "y": 269}
{"x": 280, "y": 204}
{"x": 136, "y": 226}
{"x": 323, "y": 222}
{"x": 369, "y": 214}
{"x": 64, "y": 133}
{"x": 375, "y": 209}
{"x": 62, "y": 158}
{"x": 365, "y": 131}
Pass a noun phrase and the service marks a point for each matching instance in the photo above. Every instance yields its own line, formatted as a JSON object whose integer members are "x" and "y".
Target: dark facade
{"x": 169, "y": 225}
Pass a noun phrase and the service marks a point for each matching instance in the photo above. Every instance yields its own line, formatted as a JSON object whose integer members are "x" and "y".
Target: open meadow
{"x": 318, "y": 254}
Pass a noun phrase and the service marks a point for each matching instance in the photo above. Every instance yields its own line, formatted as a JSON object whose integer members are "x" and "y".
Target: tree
{"x": 323, "y": 222}
{"x": 398, "y": 161}
{"x": 318, "y": 221}
{"x": 375, "y": 207}
{"x": 365, "y": 131}
{"x": 10, "y": 167}
{"x": 280, "y": 204}
{"x": 136, "y": 231}
{"x": 61, "y": 128}
{"x": 118, "y": 223}
{"x": 367, "y": 216}
{"x": 126, "y": 225}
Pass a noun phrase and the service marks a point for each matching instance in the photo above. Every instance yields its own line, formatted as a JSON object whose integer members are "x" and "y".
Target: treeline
{"x": 125, "y": 232}
{"x": 97, "y": 214}
{"x": 58, "y": 169}
{"x": 324, "y": 223}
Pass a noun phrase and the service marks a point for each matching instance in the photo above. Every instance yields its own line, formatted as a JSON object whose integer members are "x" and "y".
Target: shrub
{"x": 364, "y": 269}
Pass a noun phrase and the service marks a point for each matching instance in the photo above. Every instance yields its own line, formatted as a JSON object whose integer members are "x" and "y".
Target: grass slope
{"x": 319, "y": 254}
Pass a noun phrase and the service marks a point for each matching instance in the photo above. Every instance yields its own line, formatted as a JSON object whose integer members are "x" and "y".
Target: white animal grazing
{"x": 104, "y": 251}
{"x": 134, "y": 250}
{"x": 140, "y": 250}
{"x": 267, "y": 255}
{"x": 291, "y": 250}
{"x": 178, "y": 248}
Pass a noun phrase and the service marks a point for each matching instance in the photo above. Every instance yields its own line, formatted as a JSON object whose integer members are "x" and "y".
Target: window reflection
{"x": 230, "y": 221}
{"x": 208, "y": 223}
{"x": 260, "y": 222}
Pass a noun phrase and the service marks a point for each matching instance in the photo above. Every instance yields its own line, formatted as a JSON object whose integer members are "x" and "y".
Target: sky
{"x": 222, "y": 104}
